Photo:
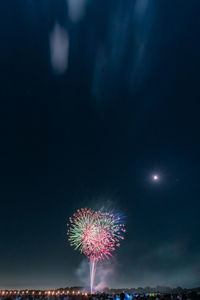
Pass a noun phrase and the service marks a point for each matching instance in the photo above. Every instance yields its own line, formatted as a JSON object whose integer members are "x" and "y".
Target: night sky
{"x": 97, "y": 96}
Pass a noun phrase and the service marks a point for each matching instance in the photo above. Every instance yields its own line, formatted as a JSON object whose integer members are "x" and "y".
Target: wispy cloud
{"x": 76, "y": 9}
{"x": 59, "y": 48}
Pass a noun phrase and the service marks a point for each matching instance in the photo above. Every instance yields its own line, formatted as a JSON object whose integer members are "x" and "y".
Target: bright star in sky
{"x": 155, "y": 177}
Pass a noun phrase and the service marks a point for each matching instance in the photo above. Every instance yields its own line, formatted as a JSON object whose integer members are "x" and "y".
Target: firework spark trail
{"x": 95, "y": 234}
{"x": 92, "y": 273}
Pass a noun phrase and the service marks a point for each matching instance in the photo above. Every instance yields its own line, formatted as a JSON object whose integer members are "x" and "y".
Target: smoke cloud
{"x": 104, "y": 271}
{"x": 59, "y": 49}
{"x": 140, "y": 9}
{"x": 76, "y": 9}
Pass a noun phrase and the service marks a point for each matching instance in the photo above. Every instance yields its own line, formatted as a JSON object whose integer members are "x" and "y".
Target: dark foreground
{"x": 53, "y": 295}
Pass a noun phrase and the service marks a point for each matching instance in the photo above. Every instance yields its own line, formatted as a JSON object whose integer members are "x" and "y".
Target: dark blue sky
{"x": 96, "y": 96}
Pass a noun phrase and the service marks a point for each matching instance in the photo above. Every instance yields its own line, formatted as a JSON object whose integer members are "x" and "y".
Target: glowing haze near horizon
{"x": 97, "y": 97}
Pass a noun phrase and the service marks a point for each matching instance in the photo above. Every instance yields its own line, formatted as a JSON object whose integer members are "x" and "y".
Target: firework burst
{"x": 95, "y": 234}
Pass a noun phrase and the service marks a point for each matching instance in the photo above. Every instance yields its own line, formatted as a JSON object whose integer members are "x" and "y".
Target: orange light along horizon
{"x": 40, "y": 292}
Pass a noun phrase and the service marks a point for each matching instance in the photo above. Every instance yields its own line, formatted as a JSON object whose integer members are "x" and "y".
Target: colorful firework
{"x": 95, "y": 234}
